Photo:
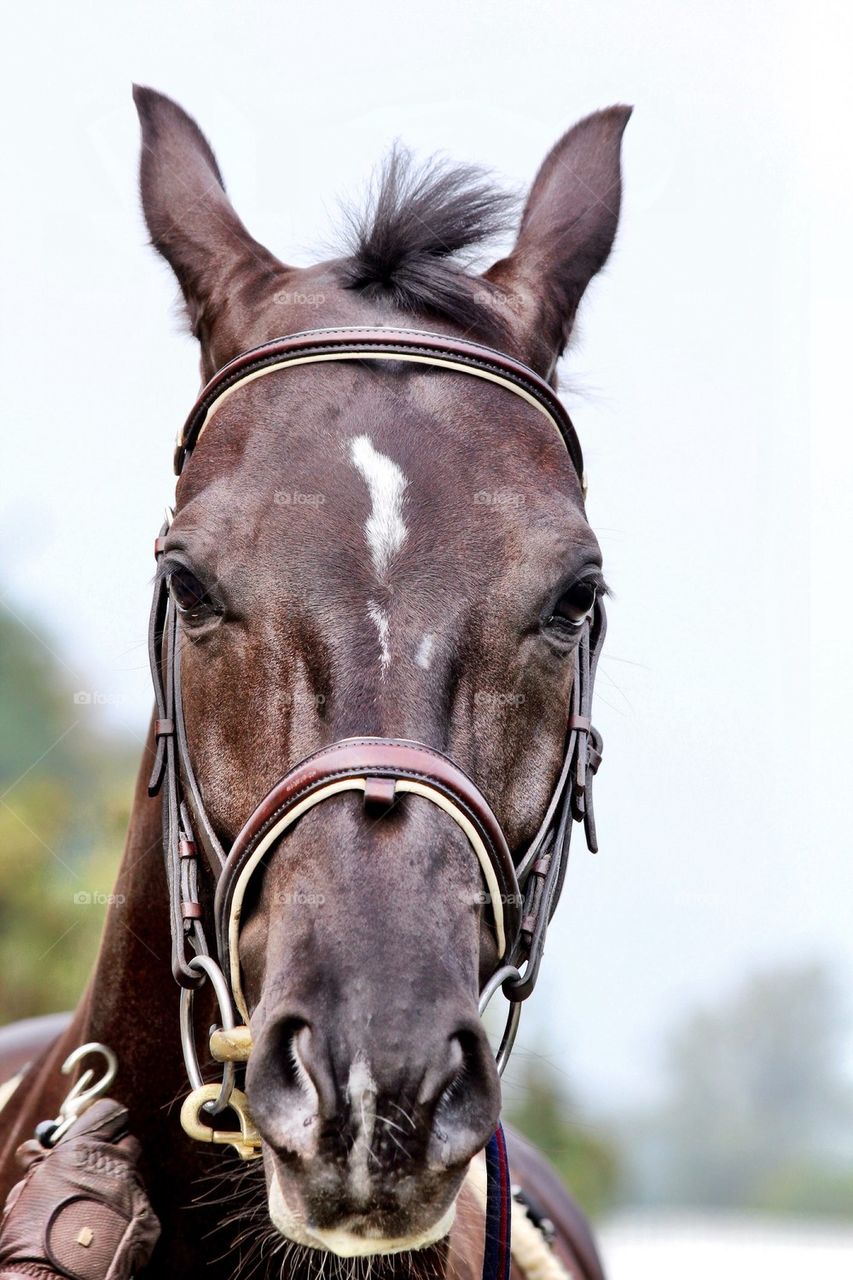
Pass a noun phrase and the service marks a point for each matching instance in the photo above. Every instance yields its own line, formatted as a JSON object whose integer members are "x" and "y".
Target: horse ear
{"x": 191, "y": 221}
{"x": 566, "y": 233}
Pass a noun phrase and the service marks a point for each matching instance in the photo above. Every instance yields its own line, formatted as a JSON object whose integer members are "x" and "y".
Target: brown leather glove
{"x": 81, "y": 1210}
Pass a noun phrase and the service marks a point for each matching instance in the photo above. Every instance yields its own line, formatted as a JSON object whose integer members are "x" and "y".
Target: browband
{"x": 378, "y": 343}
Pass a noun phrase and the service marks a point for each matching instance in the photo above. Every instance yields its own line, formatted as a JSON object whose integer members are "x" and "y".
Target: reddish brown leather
{"x": 380, "y": 792}
{"x": 369, "y": 339}
{"x": 393, "y": 758}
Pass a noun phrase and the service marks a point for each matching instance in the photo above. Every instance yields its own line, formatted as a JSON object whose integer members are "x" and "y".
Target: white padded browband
{"x": 407, "y": 357}
{"x": 335, "y": 788}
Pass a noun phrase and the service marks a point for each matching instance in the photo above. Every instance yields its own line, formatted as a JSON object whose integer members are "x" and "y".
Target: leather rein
{"x": 522, "y": 887}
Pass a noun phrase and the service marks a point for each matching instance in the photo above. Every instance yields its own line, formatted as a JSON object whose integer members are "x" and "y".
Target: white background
{"x": 709, "y": 381}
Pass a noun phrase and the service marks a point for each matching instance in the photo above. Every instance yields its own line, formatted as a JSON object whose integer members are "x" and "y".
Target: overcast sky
{"x": 708, "y": 382}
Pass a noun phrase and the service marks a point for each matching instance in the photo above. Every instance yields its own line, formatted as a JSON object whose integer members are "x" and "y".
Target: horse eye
{"x": 189, "y": 595}
{"x": 575, "y": 605}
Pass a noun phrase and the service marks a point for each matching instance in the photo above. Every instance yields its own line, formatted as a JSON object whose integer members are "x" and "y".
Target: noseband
{"x": 521, "y": 887}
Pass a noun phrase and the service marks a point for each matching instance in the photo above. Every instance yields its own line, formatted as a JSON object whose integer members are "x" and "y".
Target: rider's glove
{"x": 81, "y": 1210}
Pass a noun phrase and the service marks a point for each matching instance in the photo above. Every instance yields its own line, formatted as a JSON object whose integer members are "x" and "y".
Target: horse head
{"x": 389, "y": 549}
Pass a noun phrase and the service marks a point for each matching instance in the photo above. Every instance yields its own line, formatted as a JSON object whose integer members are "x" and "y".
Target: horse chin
{"x": 349, "y": 1244}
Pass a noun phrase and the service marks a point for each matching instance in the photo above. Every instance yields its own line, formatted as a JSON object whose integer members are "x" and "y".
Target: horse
{"x": 379, "y": 562}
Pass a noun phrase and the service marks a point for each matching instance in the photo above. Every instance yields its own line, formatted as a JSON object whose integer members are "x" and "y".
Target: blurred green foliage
{"x": 65, "y": 792}
{"x": 758, "y": 1113}
{"x": 807, "y": 1188}
{"x": 541, "y": 1107}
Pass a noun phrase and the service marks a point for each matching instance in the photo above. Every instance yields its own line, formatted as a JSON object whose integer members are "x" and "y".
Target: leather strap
{"x": 168, "y": 777}
{"x": 352, "y": 764}
{"x": 376, "y": 343}
{"x": 497, "y": 1253}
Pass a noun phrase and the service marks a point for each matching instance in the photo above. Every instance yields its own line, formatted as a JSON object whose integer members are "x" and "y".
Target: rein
{"x": 522, "y": 887}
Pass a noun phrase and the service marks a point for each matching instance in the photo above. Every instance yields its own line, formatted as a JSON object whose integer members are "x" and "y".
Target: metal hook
{"x": 82, "y": 1093}
{"x": 246, "y": 1140}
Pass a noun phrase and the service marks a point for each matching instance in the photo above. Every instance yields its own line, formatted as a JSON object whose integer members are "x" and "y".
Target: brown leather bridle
{"x": 522, "y": 886}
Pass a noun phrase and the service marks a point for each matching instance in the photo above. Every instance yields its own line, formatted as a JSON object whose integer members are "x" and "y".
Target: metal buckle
{"x": 246, "y": 1140}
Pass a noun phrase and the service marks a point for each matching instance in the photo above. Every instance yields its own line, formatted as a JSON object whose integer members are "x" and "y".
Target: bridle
{"x": 521, "y": 891}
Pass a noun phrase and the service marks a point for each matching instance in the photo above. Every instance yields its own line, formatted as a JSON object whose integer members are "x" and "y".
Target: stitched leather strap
{"x": 412, "y": 345}
{"x": 413, "y": 768}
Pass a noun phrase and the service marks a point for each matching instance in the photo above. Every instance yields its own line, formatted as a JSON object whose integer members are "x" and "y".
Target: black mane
{"x": 407, "y": 246}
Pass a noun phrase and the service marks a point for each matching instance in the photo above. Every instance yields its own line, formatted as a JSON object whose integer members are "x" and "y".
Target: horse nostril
{"x": 294, "y": 1046}
{"x": 468, "y": 1103}
{"x": 462, "y": 1051}
{"x": 286, "y": 1085}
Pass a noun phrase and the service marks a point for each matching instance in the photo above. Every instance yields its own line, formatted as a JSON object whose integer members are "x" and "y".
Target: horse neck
{"x": 131, "y": 1003}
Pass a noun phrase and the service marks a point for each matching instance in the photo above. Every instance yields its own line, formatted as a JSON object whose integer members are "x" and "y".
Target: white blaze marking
{"x": 380, "y": 620}
{"x": 384, "y": 530}
{"x": 423, "y": 657}
{"x": 361, "y": 1095}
